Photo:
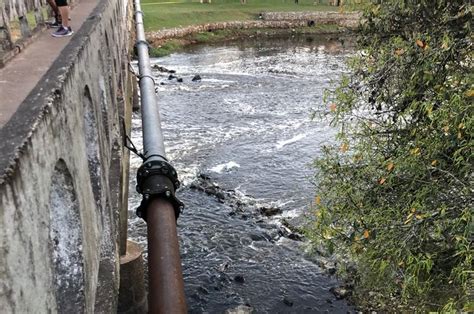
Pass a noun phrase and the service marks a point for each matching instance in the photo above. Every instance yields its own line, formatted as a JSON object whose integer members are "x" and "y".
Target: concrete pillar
{"x": 132, "y": 295}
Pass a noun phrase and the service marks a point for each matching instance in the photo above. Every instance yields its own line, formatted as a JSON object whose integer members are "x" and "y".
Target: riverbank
{"x": 163, "y": 47}
{"x": 166, "y": 41}
{"x": 170, "y": 26}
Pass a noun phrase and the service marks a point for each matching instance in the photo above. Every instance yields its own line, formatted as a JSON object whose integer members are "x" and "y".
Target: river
{"x": 244, "y": 134}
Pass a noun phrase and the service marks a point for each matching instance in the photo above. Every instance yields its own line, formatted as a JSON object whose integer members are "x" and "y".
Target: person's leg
{"x": 64, "y": 30}
{"x": 64, "y": 11}
{"x": 55, "y": 9}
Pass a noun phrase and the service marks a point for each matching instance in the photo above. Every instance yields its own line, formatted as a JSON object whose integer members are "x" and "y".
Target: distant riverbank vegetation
{"x": 395, "y": 196}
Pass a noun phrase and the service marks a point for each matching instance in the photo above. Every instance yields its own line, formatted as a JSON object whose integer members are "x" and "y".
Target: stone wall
{"x": 268, "y": 20}
{"x": 64, "y": 176}
{"x": 349, "y": 20}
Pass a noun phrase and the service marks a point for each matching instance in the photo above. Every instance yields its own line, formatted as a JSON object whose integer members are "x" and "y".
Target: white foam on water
{"x": 187, "y": 174}
{"x": 225, "y": 167}
{"x": 297, "y": 138}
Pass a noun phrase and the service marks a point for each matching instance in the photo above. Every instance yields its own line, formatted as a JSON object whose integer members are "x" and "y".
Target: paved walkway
{"x": 21, "y": 74}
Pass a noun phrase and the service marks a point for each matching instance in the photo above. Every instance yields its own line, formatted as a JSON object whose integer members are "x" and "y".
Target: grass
{"x": 161, "y": 14}
{"x": 15, "y": 28}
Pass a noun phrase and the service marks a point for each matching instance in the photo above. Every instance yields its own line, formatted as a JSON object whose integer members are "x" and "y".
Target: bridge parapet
{"x": 20, "y": 21}
{"x": 64, "y": 175}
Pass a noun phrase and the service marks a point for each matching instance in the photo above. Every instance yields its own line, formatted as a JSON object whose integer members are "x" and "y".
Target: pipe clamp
{"x": 157, "y": 178}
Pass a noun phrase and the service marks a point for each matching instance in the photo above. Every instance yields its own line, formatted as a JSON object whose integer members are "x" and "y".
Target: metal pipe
{"x": 166, "y": 278}
{"x": 166, "y": 286}
{"x": 153, "y": 143}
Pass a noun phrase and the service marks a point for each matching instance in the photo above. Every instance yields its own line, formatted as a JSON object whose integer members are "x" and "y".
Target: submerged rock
{"x": 287, "y": 301}
{"x": 270, "y": 211}
{"x": 295, "y": 237}
{"x": 239, "y": 279}
{"x": 160, "y": 68}
{"x": 340, "y": 292}
{"x": 196, "y": 78}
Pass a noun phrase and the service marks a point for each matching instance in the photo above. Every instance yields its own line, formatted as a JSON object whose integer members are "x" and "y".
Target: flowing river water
{"x": 242, "y": 140}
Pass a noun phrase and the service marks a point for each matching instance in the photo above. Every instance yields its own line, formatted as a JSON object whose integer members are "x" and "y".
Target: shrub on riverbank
{"x": 395, "y": 196}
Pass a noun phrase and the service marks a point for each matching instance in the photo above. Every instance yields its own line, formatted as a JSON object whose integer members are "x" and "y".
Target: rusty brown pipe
{"x": 166, "y": 286}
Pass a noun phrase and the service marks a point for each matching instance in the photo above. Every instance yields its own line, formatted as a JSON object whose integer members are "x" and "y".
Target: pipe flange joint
{"x": 140, "y": 42}
{"x": 157, "y": 178}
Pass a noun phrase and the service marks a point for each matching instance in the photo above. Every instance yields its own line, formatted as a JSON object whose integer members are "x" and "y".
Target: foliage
{"x": 395, "y": 196}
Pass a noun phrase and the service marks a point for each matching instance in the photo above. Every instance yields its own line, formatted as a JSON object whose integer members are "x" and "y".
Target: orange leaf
{"x": 332, "y": 107}
{"x": 420, "y": 44}
{"x": 434, "y": 162}
{"x": 399, "y": 52}
{"x": 382, "y": 181}
{"x": 390, "y": 166}
{"x": 366, "y": 234}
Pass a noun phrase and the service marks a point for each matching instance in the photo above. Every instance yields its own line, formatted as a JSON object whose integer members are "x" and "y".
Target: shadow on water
{"x": 242, "y": 140}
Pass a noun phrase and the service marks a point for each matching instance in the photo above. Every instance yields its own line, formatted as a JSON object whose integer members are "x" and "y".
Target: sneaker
{"x": 62, "y": 32}
{"x": 54, "y": 24}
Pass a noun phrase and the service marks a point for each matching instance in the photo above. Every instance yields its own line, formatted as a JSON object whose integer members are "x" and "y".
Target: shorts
{"x": 61, "y": 3}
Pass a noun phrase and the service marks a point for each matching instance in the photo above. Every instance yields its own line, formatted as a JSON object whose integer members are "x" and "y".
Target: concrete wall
{"x": 64, "y": 176}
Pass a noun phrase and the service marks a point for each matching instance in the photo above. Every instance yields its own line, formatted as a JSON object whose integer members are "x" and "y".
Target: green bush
{"x": 395, "y": 195}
